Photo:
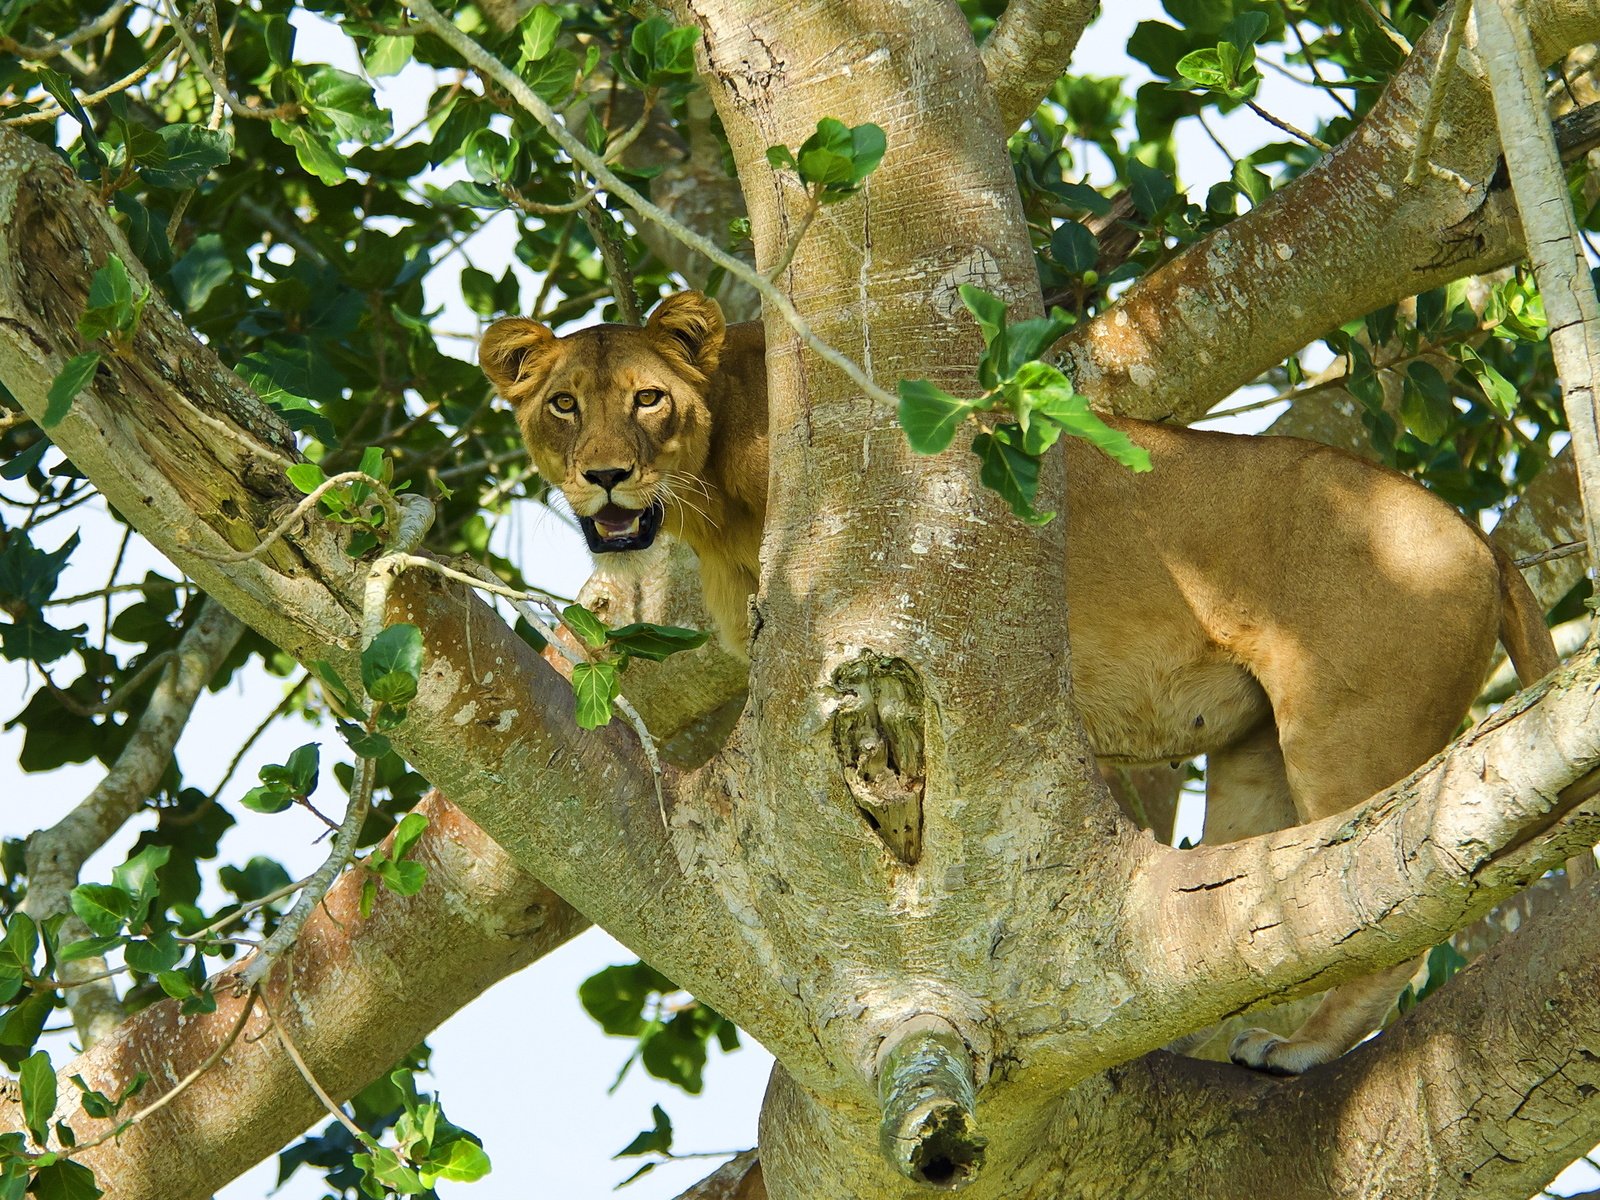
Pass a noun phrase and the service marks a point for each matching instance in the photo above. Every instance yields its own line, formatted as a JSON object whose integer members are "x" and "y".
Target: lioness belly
{"x": 1143, "y": 706}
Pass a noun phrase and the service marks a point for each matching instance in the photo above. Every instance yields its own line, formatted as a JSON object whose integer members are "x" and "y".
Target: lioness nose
{"x": 608, "y": 477}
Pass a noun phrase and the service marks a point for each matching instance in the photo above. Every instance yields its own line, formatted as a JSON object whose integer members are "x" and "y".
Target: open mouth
{"x": 616, "y": 528}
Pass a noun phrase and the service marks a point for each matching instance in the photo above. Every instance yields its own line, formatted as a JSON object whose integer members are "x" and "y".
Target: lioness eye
{"x": 648, "y": 397}
{"x": 563, "y": 403}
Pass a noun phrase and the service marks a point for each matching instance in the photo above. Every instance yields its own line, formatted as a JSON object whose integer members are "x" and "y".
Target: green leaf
{"x": 65, "y": 1180}
{"x": 201, "y": 271}
{"x": 38, "y": 1082}
{"x": 329, "y": 678}
{"x": 103, "y": 908}
{"x": 160, "y": 952}
{"x": 138, "y": 876}
{"x": 87, "y": 948}
{"x": 585, "y": 624}
{"x": 74, "y": 377}
{"x": 406, "y": 834}
{"x": 397, "y": 651}
{"x": 403, "y": 878}
{"x": 303, "y": 766}
{"x": 388, "y": 55}
{"x": 258, "y": 877}
{"x": 655, "y": 642}
{"x": 13, "y": 1178}
{"x": 345, "y": 102}
{"x": 1497, "y": 389}
{"x": 176, "y": 984}
{"x": 312, "y": 150}
{"x": 306, "y": 476}
{"x": 1425, "y": 404}
{"x": 193, "y": 152}
{"x": 930, "y": 416}
{"x": 616, "y": 996}
{"x": 1008, "y": 470}
{"x": 268, "y": 798}
{"x": 1074, "y": 247}
{"x": 1073, "y": 414}
{"x": 989, "y": 311}
{"x": 676, "y": 1052}
{"x": 460, "y": 1160}
{"x": 657, "y": 1140}
{"x": 489, "y": 157}
{"x": 1204, "y": 67}
{"x": 595, "y": 686}
{"x": 1150, "y": 189}
{"x": 19, "y": 946}
{"x": 538, "y": 31}
{"x": 661, "y": 53}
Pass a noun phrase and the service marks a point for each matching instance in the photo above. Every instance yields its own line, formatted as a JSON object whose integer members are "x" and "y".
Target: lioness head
{"x": 614, "y": 415}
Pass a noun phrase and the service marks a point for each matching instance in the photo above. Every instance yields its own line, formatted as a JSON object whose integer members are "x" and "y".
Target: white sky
{"x": 528, "y": 1033}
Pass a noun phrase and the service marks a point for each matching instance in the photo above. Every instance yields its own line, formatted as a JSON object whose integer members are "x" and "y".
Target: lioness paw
{"x": 1263, "y": 1050}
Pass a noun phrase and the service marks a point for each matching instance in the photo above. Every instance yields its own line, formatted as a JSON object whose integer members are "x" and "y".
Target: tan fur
{"x": 1316, "y": 625}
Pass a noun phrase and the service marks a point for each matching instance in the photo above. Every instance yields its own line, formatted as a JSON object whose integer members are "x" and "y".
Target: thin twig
{"x": 813, "y": 206}
{"x": 114, "y": 701}
{"x": 339, "y": 857}
{"x": 380, "y": 493}
{"x": 219, "y": 86}
{"x": 486, "y": 64}
{"x": 293, "y": 1052}
{"x": 1309, "y": 139}
{"x": 613, "y": 253}
{"x": 276, "y": 894}
{"x": 1565, "y": 550}
{"x": 178, "y": 1088}
{"x": 91, "y": 28}
{"x": 54, "y": 112}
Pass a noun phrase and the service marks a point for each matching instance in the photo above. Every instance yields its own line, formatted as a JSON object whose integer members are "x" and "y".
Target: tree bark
{"x": 1345, "y": 238}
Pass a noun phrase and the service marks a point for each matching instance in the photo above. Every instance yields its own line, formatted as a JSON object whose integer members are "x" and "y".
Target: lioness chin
{"x": 1316, "y": 625}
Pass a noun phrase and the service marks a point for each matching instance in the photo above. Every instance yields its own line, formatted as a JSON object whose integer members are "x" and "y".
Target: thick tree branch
{"x": 1485, "y": 1091}
{"x": 1307, "y": 907}
{"x": 357, "y": 994}
{"x": 1030, "y": 46}
{"x": 177, "y": 444}
{"x": 1554, "y": 243}
{"x": 56, "y": 855}
{"x": 1345, "y": 238}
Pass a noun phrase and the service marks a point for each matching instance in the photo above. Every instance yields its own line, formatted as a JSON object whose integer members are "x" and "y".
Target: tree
{"x": 990, "y": 1016}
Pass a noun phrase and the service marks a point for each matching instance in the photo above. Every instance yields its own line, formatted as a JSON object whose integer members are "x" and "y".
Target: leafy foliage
{"x": 308, "y": 244}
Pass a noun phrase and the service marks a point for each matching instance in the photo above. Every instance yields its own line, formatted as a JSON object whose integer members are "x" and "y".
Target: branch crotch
{"x": 878, "y": 733}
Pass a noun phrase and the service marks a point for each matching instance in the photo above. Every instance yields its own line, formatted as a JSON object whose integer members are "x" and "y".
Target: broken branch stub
{"x": 878, "y": 733}
{"x": 927, "y": 1094}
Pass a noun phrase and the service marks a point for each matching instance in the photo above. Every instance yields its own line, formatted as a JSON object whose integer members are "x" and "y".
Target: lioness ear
{"x": 690, "y": 324}
{"x": 509, "y": 348}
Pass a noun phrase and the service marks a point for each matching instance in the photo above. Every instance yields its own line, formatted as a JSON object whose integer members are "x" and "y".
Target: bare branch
{"x": 357, "y": 995}
{"x": 56, "y": 855}
{"x": 1030, "y": 47}
{"x": 1551, "y": 231}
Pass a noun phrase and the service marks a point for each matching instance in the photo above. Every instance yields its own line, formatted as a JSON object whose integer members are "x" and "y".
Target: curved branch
{"x": 1299, "y": 910}
{"x": 357, "y": 994}
{"x": 56, "y": 855}
{"x": 1031, "y": 45}
{"x": 1345, "y": 238}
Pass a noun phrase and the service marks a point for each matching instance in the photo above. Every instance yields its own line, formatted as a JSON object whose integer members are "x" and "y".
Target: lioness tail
{"x": 1523, "y": 631}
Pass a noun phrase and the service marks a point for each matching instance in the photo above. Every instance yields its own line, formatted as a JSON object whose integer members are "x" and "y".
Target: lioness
{"x": 1315, "y": 625}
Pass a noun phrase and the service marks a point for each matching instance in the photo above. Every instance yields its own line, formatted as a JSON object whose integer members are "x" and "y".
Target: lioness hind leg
{"x": 1346, "y": 1015}
{"x": 1335, "y": 759}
